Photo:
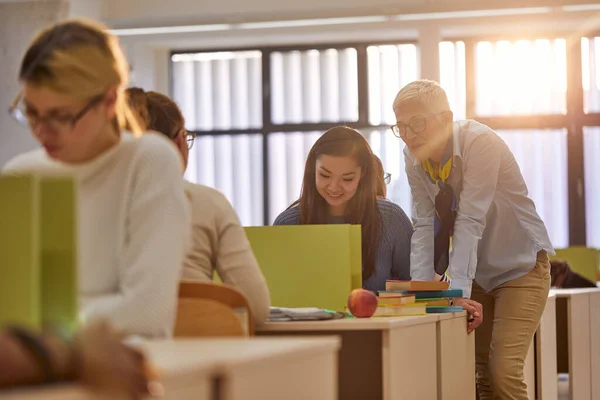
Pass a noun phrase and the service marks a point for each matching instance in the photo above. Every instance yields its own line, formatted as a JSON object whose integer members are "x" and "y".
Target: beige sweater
{"x": 220, "y": 243}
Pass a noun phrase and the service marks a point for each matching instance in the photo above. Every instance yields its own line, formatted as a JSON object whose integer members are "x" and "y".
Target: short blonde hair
{"x": 428, "y": 94}
{"x": 81, "y": 59}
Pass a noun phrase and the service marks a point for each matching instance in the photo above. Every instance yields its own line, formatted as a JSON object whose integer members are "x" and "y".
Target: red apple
{"x": 362, "y": 303}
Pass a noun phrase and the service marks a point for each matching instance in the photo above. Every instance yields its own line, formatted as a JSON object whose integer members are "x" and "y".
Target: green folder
{"x": 38, "y": 266}
{"x": 309, "y": 265}
{"x": 19, "y": 251}
{"x": 58, "y": 253}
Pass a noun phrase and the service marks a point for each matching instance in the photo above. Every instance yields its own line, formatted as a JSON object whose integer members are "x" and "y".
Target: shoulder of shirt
{"x": 209, "y": 204}
{"x": 152, "y": 150}
{"x": 27, "y": 162}
{"x": 291, "y": 216}
{"x": 471, "y": 129}
{"x": 155, "y": 143}
{"x": 206, "y": 195}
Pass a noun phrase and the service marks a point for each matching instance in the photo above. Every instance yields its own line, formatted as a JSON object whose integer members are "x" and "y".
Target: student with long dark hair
{"x": 340, "y": 186}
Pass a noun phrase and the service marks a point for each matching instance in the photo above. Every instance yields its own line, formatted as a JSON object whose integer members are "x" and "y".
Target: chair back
{"x": 206, "y": 318}
{"x": 224, "y": 294}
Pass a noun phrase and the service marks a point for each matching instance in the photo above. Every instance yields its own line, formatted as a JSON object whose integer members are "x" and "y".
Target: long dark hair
{"x": 362, "y": 208}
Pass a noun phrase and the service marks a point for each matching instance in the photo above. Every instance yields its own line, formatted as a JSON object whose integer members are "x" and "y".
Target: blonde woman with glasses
{"x": 132, "y": 213}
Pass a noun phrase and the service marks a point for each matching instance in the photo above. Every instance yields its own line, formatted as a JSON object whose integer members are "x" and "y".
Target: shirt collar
{"x": 456, "y": 144}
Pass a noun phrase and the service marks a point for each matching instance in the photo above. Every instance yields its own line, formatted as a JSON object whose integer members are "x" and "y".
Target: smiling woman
{"x": 132, "y": 211}
{"x": 340, "y": 186}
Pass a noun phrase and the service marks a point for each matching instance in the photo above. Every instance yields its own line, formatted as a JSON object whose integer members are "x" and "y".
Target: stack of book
{"x": 417, "y": 297}
{"x": 397, "y": 304}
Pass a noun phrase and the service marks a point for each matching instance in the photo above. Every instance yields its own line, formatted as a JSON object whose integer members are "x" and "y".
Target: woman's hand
{"x": 473, "y": 309}
{"x": 109, "y": 366}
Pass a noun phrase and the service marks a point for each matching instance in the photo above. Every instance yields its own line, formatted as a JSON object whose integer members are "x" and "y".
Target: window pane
{"x": 590, "y": 62}
{"x": 219, "y": 91}
{"x": 287, "y": 157}
{"x": 521, "y": 78}
{"x": 542, "y": 157}
{"x": 314, "y": 86}
{"x": 390, "y": 68}
{"x": 390, "y": 150}
{"x": 591, "y": 148}
{"x": 233, "y": 164}
{"x": 453, "y": 76}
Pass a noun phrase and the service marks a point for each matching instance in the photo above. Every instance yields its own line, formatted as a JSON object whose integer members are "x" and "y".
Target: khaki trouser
{"x": 511, "y": 315}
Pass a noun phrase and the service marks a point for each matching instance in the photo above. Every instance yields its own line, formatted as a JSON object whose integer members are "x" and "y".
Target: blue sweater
{"x": 393, "y": 255}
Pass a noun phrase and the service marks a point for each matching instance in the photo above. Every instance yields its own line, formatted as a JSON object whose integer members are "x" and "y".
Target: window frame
{"x": 268, "y": 127}
{"x": 573, "y": 121}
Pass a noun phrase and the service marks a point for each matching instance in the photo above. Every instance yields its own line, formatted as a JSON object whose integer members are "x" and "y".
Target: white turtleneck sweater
{"x": 134, "y": 228}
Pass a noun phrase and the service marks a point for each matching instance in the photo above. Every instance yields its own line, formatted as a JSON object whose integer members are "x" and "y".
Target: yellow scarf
{"x": 437, "y": 172}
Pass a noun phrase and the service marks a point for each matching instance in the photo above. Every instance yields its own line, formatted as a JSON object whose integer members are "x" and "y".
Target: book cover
{"x": 309, "y": 265}
{"x": 400, "y": 310}
{"x": 435, "y": 302}
{"x": 416, "y": 285}
{"x": 440, "y": 310}
{"x": 396, "y": 300}
{"x": 450, "y": 293}
{"x": 58, "y": 252}
{"x": 20, "y": 249}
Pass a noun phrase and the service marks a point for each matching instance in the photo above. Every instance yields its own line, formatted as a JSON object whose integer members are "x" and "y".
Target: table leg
{"x": 456, "y": 360}
{"x": 410, "y": 363}
{"x": 579, "y": 347}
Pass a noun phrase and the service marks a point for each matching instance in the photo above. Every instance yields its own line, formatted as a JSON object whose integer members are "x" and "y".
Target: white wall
{"x": 18, "y": 23}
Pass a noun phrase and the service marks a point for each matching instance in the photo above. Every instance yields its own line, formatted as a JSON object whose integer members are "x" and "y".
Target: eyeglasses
{"x": 190, "y": 137}
{"x": 387, "y": 178}
{"x": 19, "y": 112}
{"x": 416, "y": 125}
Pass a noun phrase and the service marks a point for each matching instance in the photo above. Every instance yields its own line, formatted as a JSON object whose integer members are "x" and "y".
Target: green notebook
{"x": 38, "y": 267}
{"x": 20, "y": 281}
{"x": 309, "y": 265}
{"x": 58, "y": 253}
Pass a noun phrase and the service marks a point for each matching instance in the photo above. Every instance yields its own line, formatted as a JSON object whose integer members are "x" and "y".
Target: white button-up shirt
{"x": 497, "y": 232}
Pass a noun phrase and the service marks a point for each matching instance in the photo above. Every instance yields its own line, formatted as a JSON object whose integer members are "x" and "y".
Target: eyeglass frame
{"x": 190, "y": 138}
{"x": 387, "y": 178}
{"x": 408, "y": 126}
{"x": 12, "y": 111}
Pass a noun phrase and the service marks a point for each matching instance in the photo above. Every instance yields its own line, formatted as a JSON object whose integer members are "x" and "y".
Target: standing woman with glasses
{"x": 219, "y": 241}
{"x": 467, "y": 187}
{"x": 132, "y": 213}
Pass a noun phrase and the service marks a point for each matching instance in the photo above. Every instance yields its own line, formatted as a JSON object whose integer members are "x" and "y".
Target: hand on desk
{"x": 474, "y": 310}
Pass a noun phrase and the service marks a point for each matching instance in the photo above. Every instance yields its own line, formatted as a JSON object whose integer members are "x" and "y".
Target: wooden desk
{"x": 229, "y": 369}
{"x": 540, "y": 366}
{"x": 257, "y": 368}
{"x": 394, "y": 358}
{"x": 456, "y": 358}
{"x": 595, "y": 343}
{"x": 66, "y": 392}
{"x": 576, "y": 324}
